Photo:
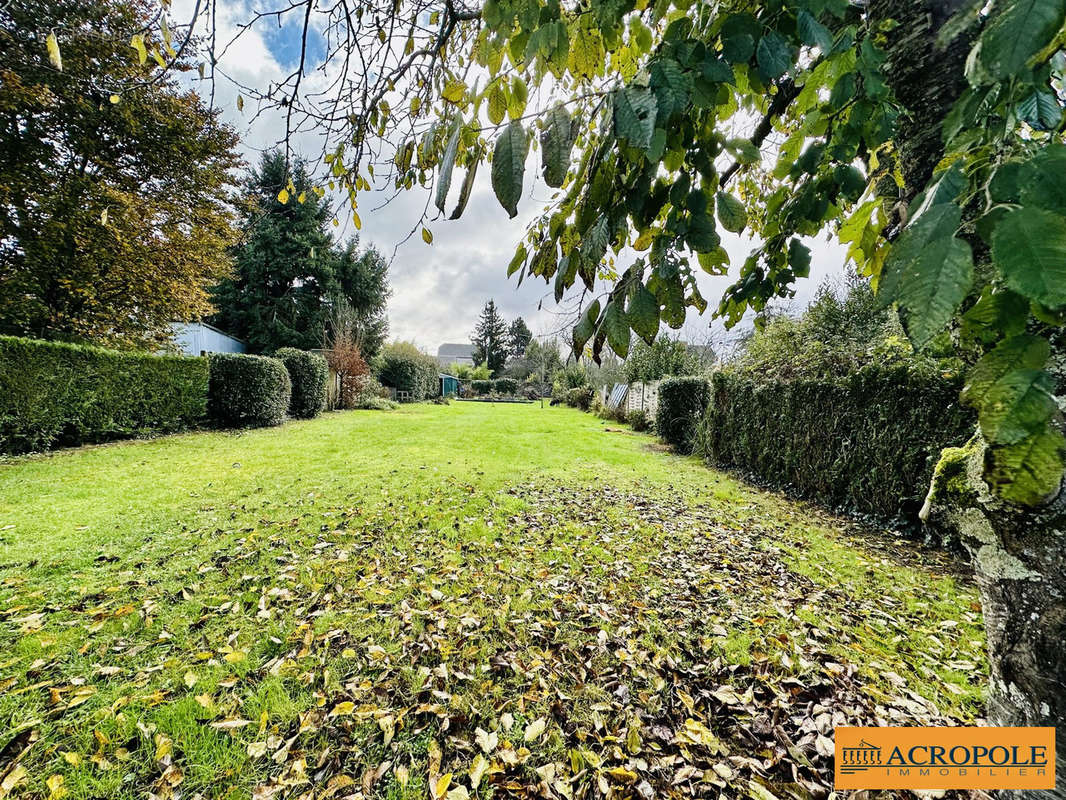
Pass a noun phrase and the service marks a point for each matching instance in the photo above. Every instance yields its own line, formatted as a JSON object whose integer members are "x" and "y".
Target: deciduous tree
{"x": 114, "y": 215}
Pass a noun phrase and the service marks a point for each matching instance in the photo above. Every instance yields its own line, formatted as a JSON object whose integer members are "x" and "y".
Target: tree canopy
{"x": 114, "y": 215}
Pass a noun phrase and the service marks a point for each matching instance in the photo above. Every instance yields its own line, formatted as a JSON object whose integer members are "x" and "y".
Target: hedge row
{"x": 417, "y": 374}
{"x": 682, "y": 402}
{"x": 867, "y": 443}
{"x": 248, "y": 391}
{"x": 54, "y": 394}
{"x": 505, "y": 386}
{"x": 309, "y": 374}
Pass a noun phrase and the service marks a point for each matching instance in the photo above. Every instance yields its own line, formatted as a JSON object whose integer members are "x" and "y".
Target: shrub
{"x": 482, "y": 387}
{"x": 508, "y": 386}
{"x": 309, "y": 375}
{"x": 661, "y": 359}
{"x": 867, "y": 442}
{"x": 346, "y": 360}
{"x": 61, "y": 394}
{"x": 638, "y": 419}
{"x": 248, "y": 391}
{"x": 581, "y": 397}
{"x": 682, "y": 402}
{"x": 405, "y": 368}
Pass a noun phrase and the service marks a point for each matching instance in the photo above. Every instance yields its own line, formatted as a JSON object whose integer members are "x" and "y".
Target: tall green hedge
{"x": 682, "y": 402}
{"x": 248, "y": 391}
{"x": 54, "y": 394}
{"x": 309, "y": 374}
{"x": 867, "y": 443}
{"x": 411, "y": 372}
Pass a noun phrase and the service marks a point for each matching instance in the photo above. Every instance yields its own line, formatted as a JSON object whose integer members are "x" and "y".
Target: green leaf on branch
{"x": 508, "y": 166}
{"x": 813, "y": 32}
{"x": 643, "y": 314}
{"x": 774, "y": 55}
{"x": 584, "y": 329}
{"x": 634, "y": 116}
{"x": 928, "y": 272}
{"x": 1029, "y": 248}
{"x": 1027, "y": 472}
{"x": 799, "y": 258}
{"x": 731, "y": 212}
{"x": 444, "y": 181}
{"x": 616, "y": 325}
{"x": 1017, "y": 32}
{"x": 671, "y": 87}
{"x": 1011, "y": 391}
{"x": 1039, "y": 181}
{"x": 556, "y": 142}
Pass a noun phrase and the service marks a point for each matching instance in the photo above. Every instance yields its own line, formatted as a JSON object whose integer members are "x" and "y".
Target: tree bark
{"x": 1019, "y": 555}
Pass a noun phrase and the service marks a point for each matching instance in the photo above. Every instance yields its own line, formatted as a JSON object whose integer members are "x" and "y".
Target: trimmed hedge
{"x": 682, "y": 402}
{"x": 309, "y": 375}
{"x": 417, "y": 374}
{"x": 867, "y": 443}
{"x": 480, "y": 387}
{"x": 506, "y": 386}
{"x": 248, "y": 391}
{"x": 54, "y": 394}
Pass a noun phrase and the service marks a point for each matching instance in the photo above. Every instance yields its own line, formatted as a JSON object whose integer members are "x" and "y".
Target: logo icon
{"x": 945, "y": 758}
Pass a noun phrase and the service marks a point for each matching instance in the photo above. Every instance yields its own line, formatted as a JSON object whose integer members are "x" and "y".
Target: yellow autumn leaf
{"x": 342, "y": 709}
{"x": 56, "y": 788}
{"x": 71, "y": 758}
{"x": 301, "y": 197}
{"x": 427, "y": 237}
{"x": 137, "y": 43}
{"x": 164, "y": 746}
{"x": 358, "y": 222}
{"x": 453, "y": 91}
{"x": 478, "y": 770}
{"x": 159, "y": 58}
{"x": 440, "y": 788}
{"x": 11, "y": 780}
{"x": 283, "y": 196}
{"x": 190, "y": 679}
{"x": 237, "y": 655}
{"x": 103, "y": 217}
{"x": 114, "y": 99}
{"x": 53, "y": 51}
{"x": 240, "y": 102}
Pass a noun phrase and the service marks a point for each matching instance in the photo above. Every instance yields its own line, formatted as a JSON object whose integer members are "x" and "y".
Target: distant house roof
{"x": 452, "y": 350}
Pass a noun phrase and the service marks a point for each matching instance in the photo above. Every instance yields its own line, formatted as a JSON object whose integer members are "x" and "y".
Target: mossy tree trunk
{"x": 1019, "y": 555}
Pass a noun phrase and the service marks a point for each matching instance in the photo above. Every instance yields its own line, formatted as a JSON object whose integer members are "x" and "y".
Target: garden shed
{"x": 449, "y": 385}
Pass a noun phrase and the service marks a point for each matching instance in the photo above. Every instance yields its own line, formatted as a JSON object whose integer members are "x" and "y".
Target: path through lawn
{"x": 448, "y": 601}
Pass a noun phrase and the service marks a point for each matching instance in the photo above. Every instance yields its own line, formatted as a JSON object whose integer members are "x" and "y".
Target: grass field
{"x": 456, "y": 601}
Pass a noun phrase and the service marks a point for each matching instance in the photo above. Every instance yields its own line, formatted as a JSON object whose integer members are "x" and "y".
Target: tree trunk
{"x": 1019, "y": 555}
{"x": 1019, "y": 558}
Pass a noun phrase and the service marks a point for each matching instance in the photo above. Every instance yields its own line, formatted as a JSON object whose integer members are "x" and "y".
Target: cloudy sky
{"x": 439, "y": 289}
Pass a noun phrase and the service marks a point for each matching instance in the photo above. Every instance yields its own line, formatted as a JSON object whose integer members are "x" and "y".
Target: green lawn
{"x": 467, "y": 600}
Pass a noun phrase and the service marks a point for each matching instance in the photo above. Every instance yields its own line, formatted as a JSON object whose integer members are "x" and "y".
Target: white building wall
{"x": 197, "y": 338}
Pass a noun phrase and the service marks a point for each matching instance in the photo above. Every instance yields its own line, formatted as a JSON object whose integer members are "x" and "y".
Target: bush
{"x": 405, "y": 368}
{"x": 346, "y": 360}
{"x": 54, "y": 394}
{"x": 508, "y": 386}
{"x": 867, "y": 442}
{"x": 248, "y": 391}
{"x": 309, "y": 375}
{"x": 482, "y": 387}
{"x": 682, "y": 402}
{"x": 581, "y": 397}
{"x": 638, "y": 419}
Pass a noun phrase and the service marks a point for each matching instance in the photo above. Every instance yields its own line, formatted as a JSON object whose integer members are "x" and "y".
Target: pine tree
{"x": 291, "y": 282}
{"x": 518, "y": 336}
{"x": 490, "y": 339}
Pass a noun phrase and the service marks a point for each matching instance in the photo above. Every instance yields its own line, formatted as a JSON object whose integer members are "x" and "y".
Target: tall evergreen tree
{"x": 518, "y": 336}
{"x": 490, "y": 339}
{"x": 292, "y": 285}
{"x": 362, "y": 279}
{"x": 284, "y": 266}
